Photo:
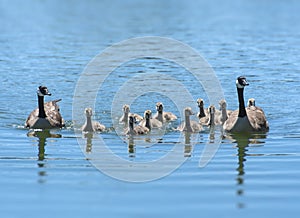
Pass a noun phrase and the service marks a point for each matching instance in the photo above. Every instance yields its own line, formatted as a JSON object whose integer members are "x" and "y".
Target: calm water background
{"x": 50, "y": 43}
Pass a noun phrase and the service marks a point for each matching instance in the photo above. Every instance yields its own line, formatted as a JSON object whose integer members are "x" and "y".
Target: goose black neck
{"x": 242, "y": 110}
{"x": 42, "y": 113}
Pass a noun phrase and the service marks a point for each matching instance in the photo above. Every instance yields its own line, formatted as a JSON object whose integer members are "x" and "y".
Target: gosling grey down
{"x": 47, "y": 115}
{"x": 245, "y": 119}
{"x": 189, "y": 125}
{"x": 163, "y": 116}
{"x": 91, "y": 125}
{"x": 251, "y": 102}
{"x": 203, "y": 113}
{"x": 135, "y": 130}
{"x": 212, "y": 118}
{"x": 124, "y": 118}
{"x": 224, "y": 112}
{"x": 149, "y": 122}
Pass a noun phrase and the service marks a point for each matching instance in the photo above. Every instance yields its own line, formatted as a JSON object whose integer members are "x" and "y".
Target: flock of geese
{"x": 244, "y": 119}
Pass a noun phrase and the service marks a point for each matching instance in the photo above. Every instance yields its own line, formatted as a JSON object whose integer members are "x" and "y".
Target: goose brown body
{"x": 250, "y": 119}
{"x": 47, "y": 115}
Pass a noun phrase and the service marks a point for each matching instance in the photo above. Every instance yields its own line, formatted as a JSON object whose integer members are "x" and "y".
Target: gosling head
{"x": 200, "y": 102}
{"x": 132, "y": 119}
{"x": 88, "y": 112}
{"x": 241, "y": 82}
{"x": 212, "y": 109}
{"x": 126, "y": 108}
{"x": 159, "y": 107}
{"x": 42, "y": 91}
{"x": 223, "y": 104}
{"x": 188, "y": 111}
{"x": 251, "y": 102}
{"x": 148, "y": 114}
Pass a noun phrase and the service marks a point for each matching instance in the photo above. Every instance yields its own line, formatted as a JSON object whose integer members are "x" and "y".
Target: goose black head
{"x": 241, "y": 82}
{"x": 42, "y": 91}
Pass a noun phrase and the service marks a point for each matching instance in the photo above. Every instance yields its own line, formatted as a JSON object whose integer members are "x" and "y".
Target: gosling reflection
{"x": 212, "y": 134}
{"x": 243, "y": 141}
{"x": 131, "y": 146}
{"x": 42, "y": 142}
{"x": 89, "y": 141}
{"x": 187, "y": 144}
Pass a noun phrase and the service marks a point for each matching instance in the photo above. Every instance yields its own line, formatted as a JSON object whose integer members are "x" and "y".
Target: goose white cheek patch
{"x": 39, "y": 93}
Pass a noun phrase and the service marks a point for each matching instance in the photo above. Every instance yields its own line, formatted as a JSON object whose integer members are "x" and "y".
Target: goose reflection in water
{"x": 42, "y": 142}
{"x": 244, "y": 140}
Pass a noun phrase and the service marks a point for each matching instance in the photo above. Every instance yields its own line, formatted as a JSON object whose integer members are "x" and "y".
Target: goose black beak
{"x": 245, "y": 83}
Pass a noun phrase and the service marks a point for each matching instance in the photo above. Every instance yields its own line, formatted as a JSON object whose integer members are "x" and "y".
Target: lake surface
{"x": 51, "y": 43}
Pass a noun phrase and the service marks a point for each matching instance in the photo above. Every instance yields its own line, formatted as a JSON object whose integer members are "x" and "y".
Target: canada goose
{"x": 149, "y": 122}
{"x": 224, "y": 112}
{"x": 91, "y": 125}
{"x": 251, "y": 102}
{"x": 163, "y": 116}
{"x": 203, "y": 113}
{"x": 135, "y": 130}
{"x": 124, "y": 118}
{"x": 189, "y": 125}
{"x": 47, "y": 115}
{"x": 245, "y": 119}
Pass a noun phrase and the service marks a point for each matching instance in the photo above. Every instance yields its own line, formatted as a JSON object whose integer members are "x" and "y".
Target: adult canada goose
{"x": 163, "y": 116}
{"x": 91, "y": 125}
{"x": 124, "y": 118}
{"x": 135, "y": 130}
{"x": 203, "y": 113}
{"x": 189, "y": 125}
{"x": 224, "y": 112}
{"x": 47, "y": 115}
{"x": 245, "y": 119}
{"x": 149, "y": 122}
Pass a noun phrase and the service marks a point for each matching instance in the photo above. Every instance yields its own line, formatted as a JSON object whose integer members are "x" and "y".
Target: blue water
{"x": 51, "y": 42}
